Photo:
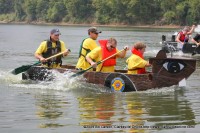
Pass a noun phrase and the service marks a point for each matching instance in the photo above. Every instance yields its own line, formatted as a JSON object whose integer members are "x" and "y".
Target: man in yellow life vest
{"x": 136, "y": 62}
{"x": 51, "y": 47}
{"x": 87, "y": 45}
{"x": 106, "y": 49}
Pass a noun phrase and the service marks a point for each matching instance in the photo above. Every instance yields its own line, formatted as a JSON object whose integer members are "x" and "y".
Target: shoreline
{"x": 99, "y": 25}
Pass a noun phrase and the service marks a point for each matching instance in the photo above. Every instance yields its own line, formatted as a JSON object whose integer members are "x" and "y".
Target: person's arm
{"x": 67, "y": 51}
{"x": 148, "y": 64}
{"x": 92, "y": 63}
{"x": 41, "y": 59}
{"x": 194, "y": 41}
{"x": 192, "y": 30}
{"x": 64, "y": 49}
{"x": 123, "y": 53}
{"x": 93, "y": 55}
{"x": 39, "y": 51}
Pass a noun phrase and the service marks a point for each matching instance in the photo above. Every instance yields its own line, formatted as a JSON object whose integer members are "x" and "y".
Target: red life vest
{"x": 106, "y": 53}
{"x": 136, "y": 52}
{"x": 183, "y": 37}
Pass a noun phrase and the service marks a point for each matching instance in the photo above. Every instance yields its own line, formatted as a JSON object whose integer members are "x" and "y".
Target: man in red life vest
{"x": 183, "y": 36}
{"x": 107, "y": 48}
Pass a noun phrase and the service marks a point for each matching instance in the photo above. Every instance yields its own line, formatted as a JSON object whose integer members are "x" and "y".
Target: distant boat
{"x": 173, "y": 46}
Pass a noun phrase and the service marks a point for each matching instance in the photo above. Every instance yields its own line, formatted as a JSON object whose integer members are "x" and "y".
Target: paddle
{"x": 99, "y": 62}
{"x": 26, "y": 67}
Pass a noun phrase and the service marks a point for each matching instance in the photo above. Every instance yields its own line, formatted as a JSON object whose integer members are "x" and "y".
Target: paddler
{"x": 107, "y": 48}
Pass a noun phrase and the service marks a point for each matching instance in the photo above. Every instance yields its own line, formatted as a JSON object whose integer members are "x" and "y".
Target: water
{"x": 67, "y": 105}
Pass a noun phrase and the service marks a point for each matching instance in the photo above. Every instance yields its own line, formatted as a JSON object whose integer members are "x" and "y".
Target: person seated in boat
{"x": 196, "y": 39}
{"x": 183, "y": 36}
{"x": 51, "y": 47}
{"x": 86, "y": 46}
{"x": 106, "y": 49}
{"x": 136, "y": 62}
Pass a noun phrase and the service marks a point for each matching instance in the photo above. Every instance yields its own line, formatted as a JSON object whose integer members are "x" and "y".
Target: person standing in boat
{"x": 86, "y": 46}
{"x": 136, "y": 62}
{"x": 107, "y": 48}
{"x": 51, "y": 47}
{"x": 183, "y": 36}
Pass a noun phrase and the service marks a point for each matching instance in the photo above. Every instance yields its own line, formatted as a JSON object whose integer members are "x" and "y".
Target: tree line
{"x": 128, "y": 12}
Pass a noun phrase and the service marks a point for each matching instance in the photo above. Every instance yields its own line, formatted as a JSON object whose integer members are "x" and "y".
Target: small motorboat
{"x": 173, "y": 46}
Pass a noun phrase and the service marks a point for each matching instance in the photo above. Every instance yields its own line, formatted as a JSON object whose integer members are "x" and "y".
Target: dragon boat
{"x": 171, "y": 46}
{"x": 165, "y": 72}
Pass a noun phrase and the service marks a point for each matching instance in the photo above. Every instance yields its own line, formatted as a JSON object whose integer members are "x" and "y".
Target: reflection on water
{"x": 169, "y": 110}
{"x": 136, "y": 112}
{"x": 48, "y": 108}
{"x": 96, "y": 110}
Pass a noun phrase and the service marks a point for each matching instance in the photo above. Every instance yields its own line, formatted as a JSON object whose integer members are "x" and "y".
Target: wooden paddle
{"x": 99, "y": 62}
{"x": 26, "y": 67}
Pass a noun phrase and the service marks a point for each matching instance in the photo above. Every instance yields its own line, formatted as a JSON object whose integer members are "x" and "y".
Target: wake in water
{"x": 61, "y": 82}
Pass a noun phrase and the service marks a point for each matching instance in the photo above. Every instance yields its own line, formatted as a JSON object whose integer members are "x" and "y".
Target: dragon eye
{"x": 174, "y": 66}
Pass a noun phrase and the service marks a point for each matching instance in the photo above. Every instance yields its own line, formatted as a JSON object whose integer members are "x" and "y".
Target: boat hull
{"x": 165, "y": 72}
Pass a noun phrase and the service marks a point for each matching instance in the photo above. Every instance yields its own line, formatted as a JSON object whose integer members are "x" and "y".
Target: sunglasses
{"x": 112, "y": 46}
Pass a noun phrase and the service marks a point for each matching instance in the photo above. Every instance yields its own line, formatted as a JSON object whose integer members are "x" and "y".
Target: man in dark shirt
{"x": 196, "y": 40}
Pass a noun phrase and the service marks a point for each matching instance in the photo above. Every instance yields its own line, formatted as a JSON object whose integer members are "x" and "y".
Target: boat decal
{"x": 117, "y": 84}
{"x": 174, "y": 66}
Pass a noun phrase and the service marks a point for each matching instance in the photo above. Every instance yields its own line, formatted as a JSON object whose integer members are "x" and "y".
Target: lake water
{"x": 66, "y": 105}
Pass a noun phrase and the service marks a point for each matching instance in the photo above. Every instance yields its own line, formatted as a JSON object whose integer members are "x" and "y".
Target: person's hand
{"x": 67, "y": 51}
{"x": 126, "y": 48}
{"x": 148, "y": 64}
{"x": 42, "y": 59}
{"x": 93, "y": 64}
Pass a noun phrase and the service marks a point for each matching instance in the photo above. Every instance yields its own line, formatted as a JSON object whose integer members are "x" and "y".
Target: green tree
{"x": 182, "y": 13}
{"x": 194, "y": 11}
{"x": 145, "y": 11}
{"x": 56, "y": 12}
{"x": 79, "y": 10}
{"x": 41, "y": 9}
{"x": 6, "y": 6}
{"x": 168, "y": 5}
{"x": 170, "y": 17}
{"x": 103, "y": 11}
{"x": 30, "y": 6}
{"x": 19, "y": 10}
{"x": 119, "y": 11}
